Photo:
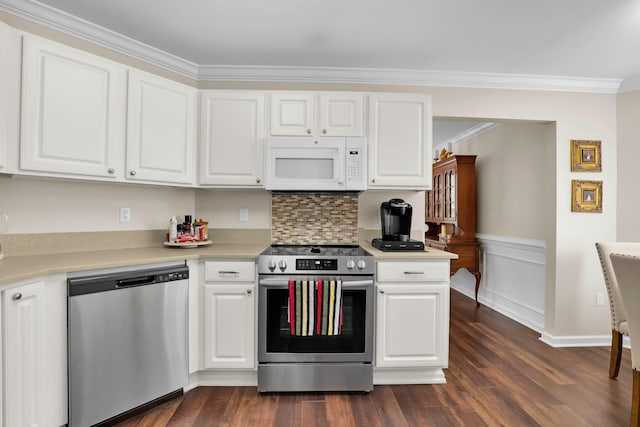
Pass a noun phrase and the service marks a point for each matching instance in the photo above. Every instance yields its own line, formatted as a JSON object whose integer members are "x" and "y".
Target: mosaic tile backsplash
{"x": 322, "y": 219}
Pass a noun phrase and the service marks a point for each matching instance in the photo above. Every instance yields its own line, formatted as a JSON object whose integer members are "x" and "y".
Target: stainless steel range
{"x": 315, "y": 319}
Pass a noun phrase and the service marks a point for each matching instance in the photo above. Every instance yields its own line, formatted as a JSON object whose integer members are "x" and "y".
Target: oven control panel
{"x": 317, "y": 264}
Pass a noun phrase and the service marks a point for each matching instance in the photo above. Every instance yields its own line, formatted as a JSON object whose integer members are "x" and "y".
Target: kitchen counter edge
{"x": 18, "y": 268}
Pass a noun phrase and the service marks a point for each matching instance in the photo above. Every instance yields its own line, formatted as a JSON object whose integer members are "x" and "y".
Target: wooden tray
{"x": 188, "y": 244}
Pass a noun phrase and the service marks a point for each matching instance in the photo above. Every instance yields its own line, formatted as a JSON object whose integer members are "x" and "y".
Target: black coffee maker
{"x": 395, "y": 219}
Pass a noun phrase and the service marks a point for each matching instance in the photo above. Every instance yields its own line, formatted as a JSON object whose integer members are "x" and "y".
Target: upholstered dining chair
{"x": 619, "y": 326}
{"x": 627, "y": 270}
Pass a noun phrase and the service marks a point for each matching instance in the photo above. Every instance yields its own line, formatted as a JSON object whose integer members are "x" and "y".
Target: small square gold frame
{"x": 586, "y": 196}
{"x": 586, "y": 156}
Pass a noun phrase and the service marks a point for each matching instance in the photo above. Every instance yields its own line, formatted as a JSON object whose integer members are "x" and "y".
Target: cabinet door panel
{"x": 400, "y": 141}
{"x": 161, "y": 129}
{"x": 341, "y": 114}
{"x": 412, "y": 325}
{"x": 292, "y": 114}
{"x": 416, "y": 271}
{"x": 72, "y": 111}
{"x": 229, "y": 326}
{"x": 9, "y": 95}
{"x": 232, "y": 139}
{"x": 24, "y": 363}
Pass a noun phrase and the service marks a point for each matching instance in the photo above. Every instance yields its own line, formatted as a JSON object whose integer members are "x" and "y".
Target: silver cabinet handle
{"x": 258, "y": 180}
{"x": 324, "y": 131}
{"x": 381, "y": 291}
{"x": 308, "y": 131}
{"x": 373, "y": 180}
{"x": 414, "y": 272}
{"x": 111, "y": 170}
{"x": 132, "y": 173}
{"x": 17, "y": 296}
{"x": 228, "y": 273}
{"x": 248, "y": 291}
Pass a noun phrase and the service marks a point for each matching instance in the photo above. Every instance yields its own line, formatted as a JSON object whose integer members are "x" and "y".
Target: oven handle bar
{"x": 280, "y": 282}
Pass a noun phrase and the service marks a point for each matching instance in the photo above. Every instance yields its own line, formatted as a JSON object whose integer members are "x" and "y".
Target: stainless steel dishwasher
{"x": 128, "y": 339}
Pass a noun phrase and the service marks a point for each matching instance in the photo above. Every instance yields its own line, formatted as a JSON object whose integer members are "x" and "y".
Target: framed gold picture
{"x": 586, "y": 196}
{"x": 586, "y": 156}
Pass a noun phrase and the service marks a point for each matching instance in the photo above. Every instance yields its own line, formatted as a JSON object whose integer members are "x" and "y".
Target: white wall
{"x": 515, "y": 171}
{"x": 628, "y": 210}
{"x": 48, "y": 206}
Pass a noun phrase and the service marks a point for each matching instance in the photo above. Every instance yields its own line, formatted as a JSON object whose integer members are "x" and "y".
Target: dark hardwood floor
{"x": 499, "y": 374}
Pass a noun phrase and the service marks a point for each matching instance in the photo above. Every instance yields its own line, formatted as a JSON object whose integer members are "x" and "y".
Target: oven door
{"x": 353, "y": 344}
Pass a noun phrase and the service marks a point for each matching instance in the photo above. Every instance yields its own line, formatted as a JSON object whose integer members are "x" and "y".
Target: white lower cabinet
{"x": 412, "y": 314}
{"x": 230, "y": 307}
{"x": 35, "y": 350}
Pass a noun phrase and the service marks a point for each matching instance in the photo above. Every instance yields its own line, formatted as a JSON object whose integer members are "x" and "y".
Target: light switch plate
{"x": 244, "y": 214}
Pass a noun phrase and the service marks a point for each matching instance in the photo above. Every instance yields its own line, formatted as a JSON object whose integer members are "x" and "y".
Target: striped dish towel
{"x": 315, "y": 307}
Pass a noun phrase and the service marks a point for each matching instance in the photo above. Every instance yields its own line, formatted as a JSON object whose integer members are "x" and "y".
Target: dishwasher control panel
{"x": 168, "y": 277}
{"x": 83, "y": 285}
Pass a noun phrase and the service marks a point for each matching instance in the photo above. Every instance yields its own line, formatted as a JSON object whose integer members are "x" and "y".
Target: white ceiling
{"x": 587, "y": 39}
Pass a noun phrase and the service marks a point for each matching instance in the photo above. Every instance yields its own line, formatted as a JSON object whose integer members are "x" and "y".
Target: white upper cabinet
{"x": 73, "y": 117}
{"x": 317, "y": 114}
{"x": 232, "y": 138}
{"x": 9, "y": 92}
{"x": 292, "y": 113}
{"x": 400, "y": 141}
{"x": 161, "y": 129}
{"x": 341, "y": 114}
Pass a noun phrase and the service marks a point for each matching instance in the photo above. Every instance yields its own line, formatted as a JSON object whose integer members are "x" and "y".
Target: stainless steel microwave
{"x": 316, "y": 164}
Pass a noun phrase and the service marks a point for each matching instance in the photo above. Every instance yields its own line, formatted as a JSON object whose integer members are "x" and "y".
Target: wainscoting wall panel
{"x": 513, "y": 275}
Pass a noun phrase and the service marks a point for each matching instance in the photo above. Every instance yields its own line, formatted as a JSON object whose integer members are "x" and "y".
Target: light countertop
{"x": 16, "y": 268}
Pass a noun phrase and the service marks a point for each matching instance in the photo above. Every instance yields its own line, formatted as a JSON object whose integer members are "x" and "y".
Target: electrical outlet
{"x": 599, "y": 298}
{"x": 244, "y": 214}
{"x": 125, "y": 214}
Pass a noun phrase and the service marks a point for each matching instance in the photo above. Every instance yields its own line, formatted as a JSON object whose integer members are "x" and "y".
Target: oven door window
{"x": 350, "y": 340}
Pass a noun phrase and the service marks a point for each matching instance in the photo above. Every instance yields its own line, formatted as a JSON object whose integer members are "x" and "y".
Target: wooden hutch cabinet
{"x": 450, "y": 213}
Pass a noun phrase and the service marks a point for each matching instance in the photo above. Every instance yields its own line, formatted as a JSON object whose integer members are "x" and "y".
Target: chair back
{"x": 605, "y": 249}
{"x": 627, "y": 269}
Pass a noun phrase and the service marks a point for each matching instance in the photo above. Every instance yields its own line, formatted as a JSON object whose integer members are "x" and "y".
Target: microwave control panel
{"x": 355, "y": 164}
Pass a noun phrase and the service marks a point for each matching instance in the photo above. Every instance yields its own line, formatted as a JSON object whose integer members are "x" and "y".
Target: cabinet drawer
{"x": 229, "y": 271}
{"x": 422, "y": 271}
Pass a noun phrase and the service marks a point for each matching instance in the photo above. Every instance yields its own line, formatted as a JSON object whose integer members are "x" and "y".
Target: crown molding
{"x": 474, "y": 131}
{"x": 39, "y": 13}
{"x": 407, "y": 77}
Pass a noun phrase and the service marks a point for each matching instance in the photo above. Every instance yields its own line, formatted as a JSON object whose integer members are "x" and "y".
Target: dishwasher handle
{"x": 135, "y": 281}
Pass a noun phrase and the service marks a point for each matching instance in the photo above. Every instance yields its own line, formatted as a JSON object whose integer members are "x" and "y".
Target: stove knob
{"x": 350, "y": 264}
{"x": 361, "y": 264}
{"x": 271, "y": 265}
{"x": 282, "y": 264}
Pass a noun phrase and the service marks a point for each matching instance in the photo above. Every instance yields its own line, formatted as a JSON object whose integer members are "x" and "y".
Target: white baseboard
{"x": 408, "y": 376}
{"x": 580, "y": 340}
